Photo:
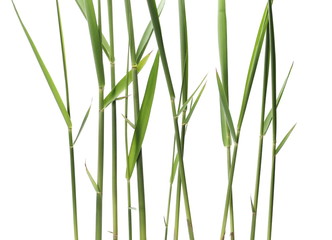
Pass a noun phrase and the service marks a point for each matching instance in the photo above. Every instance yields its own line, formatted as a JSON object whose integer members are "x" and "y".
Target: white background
{"x": 35, "y": 193}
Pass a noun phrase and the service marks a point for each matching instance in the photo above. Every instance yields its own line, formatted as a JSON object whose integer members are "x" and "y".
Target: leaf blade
{"x": 143, "y": 118}
{"x": 47, "y": 75}
{"x": 282, "y": 143}
{"x": 126, "y": 80}
{"x": 83, "y": 123}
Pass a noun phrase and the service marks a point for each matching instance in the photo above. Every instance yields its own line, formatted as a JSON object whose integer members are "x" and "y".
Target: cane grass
{"x": 250, "y": 78}
{"x": 274, "y": 118}
{"x": 261, "y": 135}
{"x": 114, "y": 124}
{"x": 223, "y": 55}
{"x": 96, "y": 43}
{"x": 158, "y": 35}
{"x": 140, "y": 174}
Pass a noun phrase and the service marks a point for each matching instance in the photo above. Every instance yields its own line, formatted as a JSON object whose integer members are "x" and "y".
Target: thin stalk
{"x": 231, "y": 211}
{"x": 274, "y": 118}
{"x": 250, "y": 78}
{"x": 261, "y": 134}
{"x": 70, "y": 134}
{"x": 139, "y": 163}
{"x": 184, "y": 97}
{"x": 114, "y": 125}
{"x": 223, "y": 55}
{"x": 158, "y": 34}
{"x": 130, "y": 230}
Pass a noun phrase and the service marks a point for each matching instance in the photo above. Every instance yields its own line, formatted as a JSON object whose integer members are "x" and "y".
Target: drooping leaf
{"x": 47, "y": 75}
{"x": 184, "y": 105}
{"x": 282, "y": 143}
{"x": 191, "y": 111}
{"x": 143, "y": 118}
{"x": 96, "y": 41}
{"x": 147, "y": 34}
{"x": 268, "y": 118}
{"x": 83, "y": 123}
{"x": 128, "y": 121}
{"x": 93, "y": 182}
{"x": 121, "y": 85}
{"x": 224, "y": 127}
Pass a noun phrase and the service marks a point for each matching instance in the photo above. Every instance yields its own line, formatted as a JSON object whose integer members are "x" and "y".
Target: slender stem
{"x": 168, "y": 209}
{"x": 261, "y": 136}
{"x": 229, "y": 186}
{"x": 130, "y": 231}
{"x": 70, "y": 134}
{"x": 99, "y": 198}
{"x": 158, "y": 34}
{"x": 73, "y": 182}
{"x": 274, "y": 119}
{"x": 177, "y": 209}
{"x": 114, "y": 125}
{"x": 139, "y": 163}
{"x": 231, "y": 212}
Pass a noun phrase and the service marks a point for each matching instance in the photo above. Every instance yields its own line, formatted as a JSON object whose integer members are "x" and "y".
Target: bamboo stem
{"x": 261, "y": 138}
{"x": 274, "y": 119}
{"x": 114, "y": 125}
{"x": 139, "y": 163}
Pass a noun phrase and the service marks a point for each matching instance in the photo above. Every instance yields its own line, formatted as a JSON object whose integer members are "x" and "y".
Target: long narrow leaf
{"x": 224, "y": 127}
{"x": 47, "y": 75}
{"x": 122, "y": 84}
{"x": 83, "y": 123}
{"x": 147, "y": 34}
{"x": 285, "y": 139}
{"x": 228, "y": 117}
{"x": 93, "y": 182}
{"x": 129, "y": 122}
{"x": 96, "y": 42}
{"x": 191, "y": 111}
{"x": 268, "y": 118}
{"x": 184, "y": 105}
{"x": 253, "y": 65}
{"x": 143, "y": 118}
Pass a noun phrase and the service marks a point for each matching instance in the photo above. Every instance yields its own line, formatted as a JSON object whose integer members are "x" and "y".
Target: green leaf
{"x": 94, "y": 184}
{"x": 222, "y": 39}
{"x": 253, "y": 65}
{"x": 285, "y": 139}
{"x": 268, "y": 118}
{"x": 129, "y": 122}
{"x": 191, "y": 111}
{"x": 225, "y": 110}
{"x": 106, "y": 46}
{"x": 47, "y": 75}
{"x": 224, "y": 127}
{"x": 96, "y": 41}
{"x": 122, "y": 84}
{"x": 143, "y": 118}
{"x": 147, "y": 34}
{"x": 184, "y": 106}
{"x": 83, "y": 123}
{"x": 174, "y": 167}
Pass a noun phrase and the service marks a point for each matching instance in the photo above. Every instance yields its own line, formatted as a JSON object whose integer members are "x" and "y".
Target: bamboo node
{"x": 134, "y": 66}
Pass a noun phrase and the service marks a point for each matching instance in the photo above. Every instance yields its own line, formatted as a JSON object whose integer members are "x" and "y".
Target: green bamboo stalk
{"x": 140, "y": 174}
{"x": 247, "y": 90}
{"x": 184, "y": 97}
{"x": 130, "y": 230}
{"x": 223, "y": 55}
{"x": 96, "y": 43}
{"x": 274, "y": 118}
{"x": 158, "y": 34}
{"x": 70, "y": 133}
{"x": 261, "y": 134}
{"x": 114, "y": 124}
